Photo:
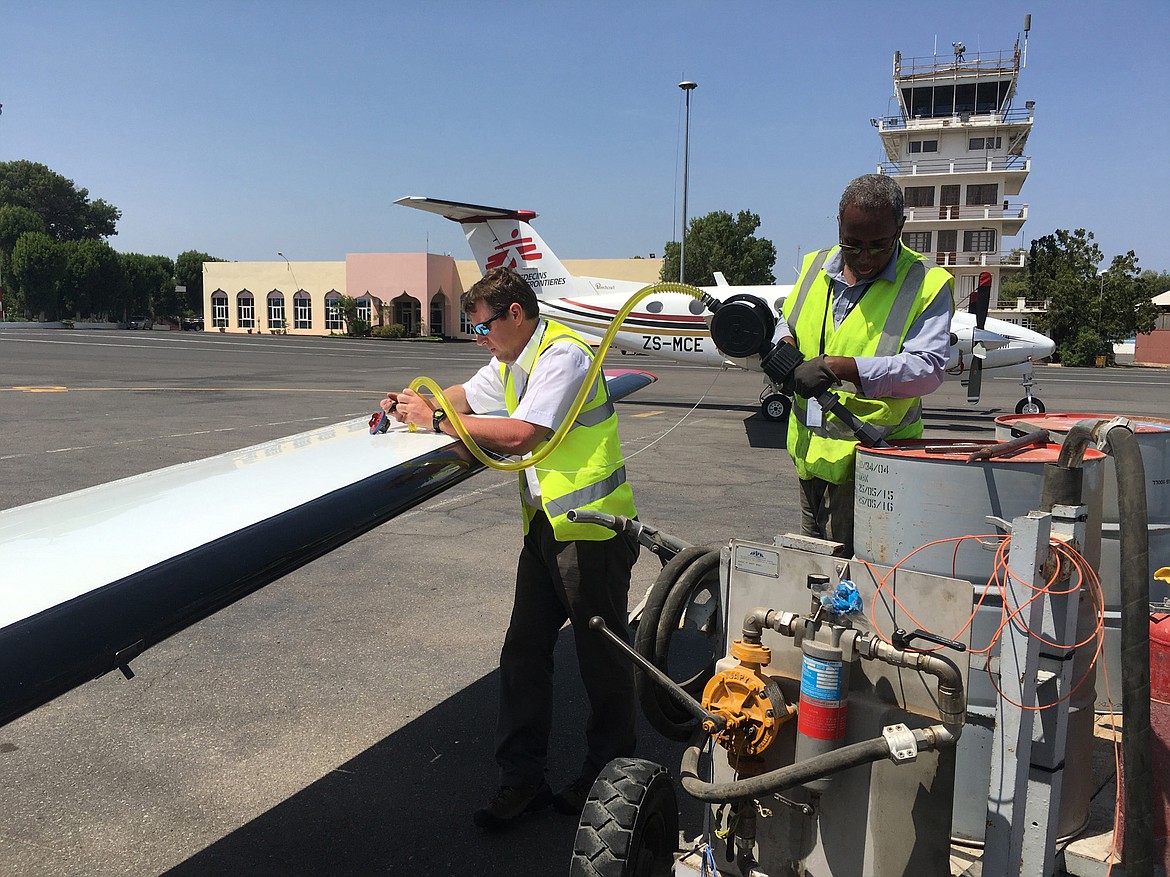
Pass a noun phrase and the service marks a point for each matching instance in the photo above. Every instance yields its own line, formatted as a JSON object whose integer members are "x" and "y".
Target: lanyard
{"x": 832, "y": 291}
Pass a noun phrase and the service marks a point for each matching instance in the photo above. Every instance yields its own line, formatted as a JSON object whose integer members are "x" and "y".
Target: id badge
{"x": 813, "y": 414}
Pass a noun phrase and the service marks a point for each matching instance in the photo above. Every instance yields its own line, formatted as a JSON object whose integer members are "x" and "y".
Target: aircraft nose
{"x": 1044, "y": 346}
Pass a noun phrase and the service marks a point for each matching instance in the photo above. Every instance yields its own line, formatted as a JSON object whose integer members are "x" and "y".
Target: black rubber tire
{"x": 629, "y": 825}
{"x": 1037, "y": 406}
{"x": 775, "y": 407}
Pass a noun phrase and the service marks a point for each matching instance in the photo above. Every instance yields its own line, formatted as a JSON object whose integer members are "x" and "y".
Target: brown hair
{"x": 499, "y": 288}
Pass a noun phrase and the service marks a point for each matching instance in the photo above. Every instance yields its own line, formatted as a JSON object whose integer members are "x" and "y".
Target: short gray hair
{"x": 872, "y": 193}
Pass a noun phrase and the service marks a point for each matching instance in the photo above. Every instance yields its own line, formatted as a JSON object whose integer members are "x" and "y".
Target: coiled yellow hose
{"x": 582, "y": 395}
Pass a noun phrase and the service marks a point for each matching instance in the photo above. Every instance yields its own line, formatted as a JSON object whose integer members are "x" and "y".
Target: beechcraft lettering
{"x": 671, "y": 326}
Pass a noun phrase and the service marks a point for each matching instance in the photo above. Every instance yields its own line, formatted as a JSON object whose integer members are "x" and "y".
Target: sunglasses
{"x": 485, "y": 327}
{"x": 872, "y": 252}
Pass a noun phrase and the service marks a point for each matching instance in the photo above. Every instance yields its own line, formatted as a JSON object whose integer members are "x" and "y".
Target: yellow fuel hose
{"x": 582, "y": 395}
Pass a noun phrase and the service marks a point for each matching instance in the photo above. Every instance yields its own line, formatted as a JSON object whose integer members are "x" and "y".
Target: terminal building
{"x": 420, "y": 291}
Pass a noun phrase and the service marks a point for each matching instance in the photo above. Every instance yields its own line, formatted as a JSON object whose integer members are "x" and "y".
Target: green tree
{"x": 721, "y": 242}
{"x": 14, "y": 221}
{"x": 1088, "y": 310}
{"x": 149, "y": 284}
{"x": 354, "y": 325}
{"x": 189, "y": 273}
{"x": 92, "y": 284}
{"x": 1156, "y": 282}
{"x": 66, "y": 210}
{"x": 38, "y": 267}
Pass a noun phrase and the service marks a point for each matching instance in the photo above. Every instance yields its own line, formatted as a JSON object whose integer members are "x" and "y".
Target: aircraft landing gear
{"x": 774, "y": 405}
{"x": 1029, "y": 404}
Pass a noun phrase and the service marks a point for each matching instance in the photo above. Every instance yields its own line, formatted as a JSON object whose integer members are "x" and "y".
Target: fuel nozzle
{"x": 743, "y": 326}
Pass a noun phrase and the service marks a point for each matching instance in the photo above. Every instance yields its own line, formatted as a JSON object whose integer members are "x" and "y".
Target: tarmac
{"x": 340, "y": 720}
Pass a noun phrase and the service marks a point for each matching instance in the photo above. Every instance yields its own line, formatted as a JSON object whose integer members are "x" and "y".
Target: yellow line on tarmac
{"x": 186, "y": 390}
{"x": 648, "y": 414}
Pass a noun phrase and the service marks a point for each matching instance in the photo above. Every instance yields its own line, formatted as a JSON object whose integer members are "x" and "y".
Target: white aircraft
{"x": 64, "y": 622}
{"x": 672, "y": 326}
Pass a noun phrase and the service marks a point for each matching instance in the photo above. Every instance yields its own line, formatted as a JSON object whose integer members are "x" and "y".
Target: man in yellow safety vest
{"x": 566, "y": 570}
{"x": 871, "y": 312}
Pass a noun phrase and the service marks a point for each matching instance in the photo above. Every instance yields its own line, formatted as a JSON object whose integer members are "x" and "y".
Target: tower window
{"x": 920, "y": 196}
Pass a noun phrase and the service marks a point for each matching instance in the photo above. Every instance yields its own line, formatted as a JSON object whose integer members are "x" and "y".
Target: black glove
{"x": 812, "y": 377}
{"x": 779, "y": 363}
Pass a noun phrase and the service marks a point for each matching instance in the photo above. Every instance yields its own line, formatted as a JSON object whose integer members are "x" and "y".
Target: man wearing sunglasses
{"x": 874, "y": 314}
{"x": 566, "y": 570}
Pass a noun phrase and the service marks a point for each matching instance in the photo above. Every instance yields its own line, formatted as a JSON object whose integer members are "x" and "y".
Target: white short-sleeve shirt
{"x": 546, "y": 394}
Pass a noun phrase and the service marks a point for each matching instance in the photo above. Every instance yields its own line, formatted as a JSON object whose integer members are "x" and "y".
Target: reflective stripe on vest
{"x": 587, "y": 469}
{"x": 833, "y": 428}
{"x": 806, "y": 281}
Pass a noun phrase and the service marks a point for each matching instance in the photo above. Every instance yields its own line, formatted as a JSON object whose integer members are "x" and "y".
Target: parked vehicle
{"x": 140, "y": 322}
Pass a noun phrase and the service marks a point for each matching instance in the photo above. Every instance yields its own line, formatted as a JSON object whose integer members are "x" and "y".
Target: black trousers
{"x": 554, "y": 581}
{"x": 826, "y": 511}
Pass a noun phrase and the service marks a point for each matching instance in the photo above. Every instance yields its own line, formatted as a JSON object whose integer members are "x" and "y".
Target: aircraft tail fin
{"x": 500, "y": 237}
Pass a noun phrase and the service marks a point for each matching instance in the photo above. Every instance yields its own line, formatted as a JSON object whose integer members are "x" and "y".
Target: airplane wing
{"x": 75, "y": 605}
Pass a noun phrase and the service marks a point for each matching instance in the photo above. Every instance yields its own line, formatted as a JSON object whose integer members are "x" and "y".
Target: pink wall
{"x": 420, "y": 275}
{"x": 388, "y": 275}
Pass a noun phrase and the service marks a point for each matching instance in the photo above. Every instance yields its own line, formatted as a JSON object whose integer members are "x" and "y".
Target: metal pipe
{"x": 711, "y": 723}
{"x": 952, "y": 705}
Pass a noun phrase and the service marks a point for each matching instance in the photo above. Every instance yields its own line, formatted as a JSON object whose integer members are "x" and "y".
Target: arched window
{"x": 245, "y": 310}
{"x": 363, "y": 309}
{"x": 334, "y": 322}
{"x": 219, "y": 308}
{"x": 302, "y": 310}
{"x": 276, "y": 309}
{"x": 438, "y": 319}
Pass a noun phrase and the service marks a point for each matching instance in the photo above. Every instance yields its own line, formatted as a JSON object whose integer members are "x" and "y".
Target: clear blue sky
{"x": 245, "y": 128}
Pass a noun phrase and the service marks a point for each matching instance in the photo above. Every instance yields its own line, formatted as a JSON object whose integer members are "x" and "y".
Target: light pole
{"x": 1100, "y": 297}
{"x": 687, "y": 86}
{"x": 283, "y": 319}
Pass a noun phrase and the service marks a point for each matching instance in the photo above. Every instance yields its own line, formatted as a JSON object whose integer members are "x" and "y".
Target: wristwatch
{"x": 437, "y": 418}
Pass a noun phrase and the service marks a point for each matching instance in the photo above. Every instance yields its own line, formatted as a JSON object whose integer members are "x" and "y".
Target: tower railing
{"x": 930, "y": 166}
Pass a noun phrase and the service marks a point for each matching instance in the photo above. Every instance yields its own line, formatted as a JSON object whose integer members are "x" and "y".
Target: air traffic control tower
{"x": 956, "y": 147}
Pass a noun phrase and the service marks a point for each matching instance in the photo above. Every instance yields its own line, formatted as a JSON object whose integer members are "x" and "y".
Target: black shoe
{"x": 512, "y": 801}
{"x": 571, "y": 799}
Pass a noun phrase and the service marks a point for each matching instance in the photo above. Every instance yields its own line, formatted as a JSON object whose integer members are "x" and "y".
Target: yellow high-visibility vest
{"x": 877, "y": 326}
{"x": 587, "y": 470}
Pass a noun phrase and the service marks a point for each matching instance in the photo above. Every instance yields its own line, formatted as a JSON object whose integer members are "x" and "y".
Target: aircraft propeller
{"x": 979, "y": 304}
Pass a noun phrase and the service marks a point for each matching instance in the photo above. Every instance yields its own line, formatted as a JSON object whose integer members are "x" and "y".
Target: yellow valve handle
{"x": 578, "y": 403}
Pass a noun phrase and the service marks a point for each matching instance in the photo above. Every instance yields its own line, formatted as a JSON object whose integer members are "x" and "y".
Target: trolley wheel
{"x": 1035, "y": 406}
{"x": 629, "y": 826}
{"x": 775, "y": 407}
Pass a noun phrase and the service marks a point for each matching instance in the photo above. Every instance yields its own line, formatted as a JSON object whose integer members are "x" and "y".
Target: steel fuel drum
{"x": 912, "y": 503}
